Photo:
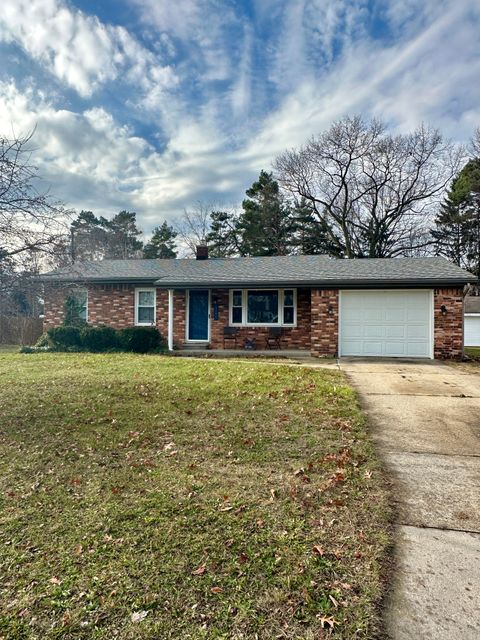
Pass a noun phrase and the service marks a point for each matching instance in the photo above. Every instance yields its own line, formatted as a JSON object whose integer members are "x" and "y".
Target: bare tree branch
{"x": 373, "y": 193}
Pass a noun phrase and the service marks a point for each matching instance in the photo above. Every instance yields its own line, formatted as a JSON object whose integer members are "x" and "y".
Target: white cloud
{"x": 79, "y": 49}
{"x": 320, "y": 65}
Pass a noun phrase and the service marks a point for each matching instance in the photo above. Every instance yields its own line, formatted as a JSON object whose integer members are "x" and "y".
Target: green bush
{"x": 98, "y": 339}
{"x": 43, "y": 341}
{"x": 140, "y": 339}
{"x": 65, "y": 338}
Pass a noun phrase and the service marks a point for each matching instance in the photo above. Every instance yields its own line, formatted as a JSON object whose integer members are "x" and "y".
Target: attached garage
{"x": 388, "y": 323}
{"x": 472, "y": 330}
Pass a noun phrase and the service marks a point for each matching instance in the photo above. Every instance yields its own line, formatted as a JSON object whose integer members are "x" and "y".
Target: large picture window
{"x": 145, "y": 300}
{"x": 263, "y": 307}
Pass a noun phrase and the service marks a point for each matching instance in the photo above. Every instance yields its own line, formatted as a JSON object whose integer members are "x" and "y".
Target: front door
{"x": 198, "y": 315}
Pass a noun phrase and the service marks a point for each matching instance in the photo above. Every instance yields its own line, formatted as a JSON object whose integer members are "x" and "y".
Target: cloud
{"x": 238, "y": 90}
{"x": 79, "y": 49}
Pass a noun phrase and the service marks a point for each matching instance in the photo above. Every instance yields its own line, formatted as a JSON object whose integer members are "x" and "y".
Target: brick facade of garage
{"x": 317, "y": 317}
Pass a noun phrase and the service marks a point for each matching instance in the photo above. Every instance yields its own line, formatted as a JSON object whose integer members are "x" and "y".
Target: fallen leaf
{"x": 55, "y": 580}
{"x": 319, "y": 550}
{"x": 138, "y": 616}
{"x": 216, "y": 590}
{"x": 199, "y": 571}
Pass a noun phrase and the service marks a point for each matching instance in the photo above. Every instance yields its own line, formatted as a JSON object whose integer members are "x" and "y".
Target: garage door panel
{"x": 386, "y": 323}
{"x": 395, "y": 331}
{"x": 472, "y": 331}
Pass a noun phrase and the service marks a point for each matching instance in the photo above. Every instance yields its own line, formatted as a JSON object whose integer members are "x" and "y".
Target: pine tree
{"x": 162, "y": 243}
{"x": 266, "y": 224}
{"x": 224, "y": 237}
{"x": 122, "y": 233}
{"x": 89, "y": 239}
{"x": 457, "y": 227}
{"x": 311, "y": 234}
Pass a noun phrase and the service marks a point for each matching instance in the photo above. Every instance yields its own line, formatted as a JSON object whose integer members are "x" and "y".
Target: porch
{"x": 284, "y": 322}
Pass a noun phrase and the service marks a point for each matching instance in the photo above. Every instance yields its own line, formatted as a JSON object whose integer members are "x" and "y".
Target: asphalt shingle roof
{"x": 278, "y": 270}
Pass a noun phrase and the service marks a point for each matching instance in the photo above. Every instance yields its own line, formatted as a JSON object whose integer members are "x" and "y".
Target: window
{"x": 288, "y": 306}
{"x": 80, "y": 304}
{"x": 263, "y": 307}
{"x": 145, "y": 306}
{"x": 237, "y": 308}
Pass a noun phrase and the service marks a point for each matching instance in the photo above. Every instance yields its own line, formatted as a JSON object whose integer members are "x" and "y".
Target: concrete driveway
{"x": 425, "y": 418}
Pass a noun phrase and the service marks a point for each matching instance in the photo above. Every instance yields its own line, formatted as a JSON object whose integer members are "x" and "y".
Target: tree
{"x": 310, "y": 236}
{"x": 122, "y": 235}
{"x": 266, "y": 224}
{"x": 194, "y": 226}
{"x": 89, "y": 237}
{"x": 223, "y": 237}
{"x": 30, "y": 220}
{"x": 457, "y": 227}
{"x": 162, "y": 243}
{"x": 372, "y": 192}
{"x": 475, "y": 143}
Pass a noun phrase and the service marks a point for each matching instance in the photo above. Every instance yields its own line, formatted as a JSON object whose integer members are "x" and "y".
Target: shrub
{"x": 72, "y": 309}
{"x": 65, "y": 337}
{"x": 140, "y": 339}
{"x": 99, "y": 339}
{"x": 43, "y": 341}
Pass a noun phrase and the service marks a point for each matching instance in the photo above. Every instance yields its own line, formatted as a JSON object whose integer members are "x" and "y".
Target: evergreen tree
{"x": 457, "y": 227}
{"x": 162, "y": 243}
{"x": 224, "y": 236}
{"x": 266, "y": 224}
{"x": 122, "y": 234}
{"x": 89, "y": 237}
{"x": 311, "y": 234}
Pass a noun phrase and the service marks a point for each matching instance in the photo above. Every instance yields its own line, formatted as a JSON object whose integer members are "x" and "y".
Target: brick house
{"x": 402, "y": 307}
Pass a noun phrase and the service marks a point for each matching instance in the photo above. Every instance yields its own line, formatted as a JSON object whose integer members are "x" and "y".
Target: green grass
{"x": 216, "y": 499}
{"x": 472, "y": 352}
{"x": 9, "y": 348}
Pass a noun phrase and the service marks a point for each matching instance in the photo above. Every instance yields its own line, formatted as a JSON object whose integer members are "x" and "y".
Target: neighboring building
{"x": 472, "y": 321}
{"x": 402, "y": 307}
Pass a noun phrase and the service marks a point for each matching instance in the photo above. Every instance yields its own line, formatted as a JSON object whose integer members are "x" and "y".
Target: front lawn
{"x": 155, "y": 497}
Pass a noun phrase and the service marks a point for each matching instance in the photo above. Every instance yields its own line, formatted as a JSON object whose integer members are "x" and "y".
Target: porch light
{"x": 443, "y": 310}
{"x": 330, "y": 310}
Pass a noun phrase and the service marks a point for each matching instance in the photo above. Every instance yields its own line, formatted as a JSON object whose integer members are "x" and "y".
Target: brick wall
{"x": 317, "y": 317}
{"x": 111, "y": 304}
{"x": 54, "y": 298}
{"x": 324, "y": 339}
{"x": 448, "y": 332}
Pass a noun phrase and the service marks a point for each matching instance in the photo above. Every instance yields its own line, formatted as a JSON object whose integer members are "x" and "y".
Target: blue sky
{"x": 154, "y": 105}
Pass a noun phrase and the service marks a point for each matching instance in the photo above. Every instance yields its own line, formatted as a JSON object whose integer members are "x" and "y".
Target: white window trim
{"x": 137, "y": 292}
{"x": 281, "y": 297}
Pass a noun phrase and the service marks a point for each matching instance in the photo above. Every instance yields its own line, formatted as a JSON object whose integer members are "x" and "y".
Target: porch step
{"x": 194, "y": 346}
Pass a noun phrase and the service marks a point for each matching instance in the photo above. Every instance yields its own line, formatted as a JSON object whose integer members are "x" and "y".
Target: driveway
{"x": 425, "y": 418}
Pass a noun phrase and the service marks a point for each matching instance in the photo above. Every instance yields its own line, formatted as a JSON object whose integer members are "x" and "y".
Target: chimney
{"x": 202, "y": 252}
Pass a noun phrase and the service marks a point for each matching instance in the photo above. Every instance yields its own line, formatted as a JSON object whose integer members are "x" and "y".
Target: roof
{"x": 472, "y": 304}
{"x": 298, "y": 270}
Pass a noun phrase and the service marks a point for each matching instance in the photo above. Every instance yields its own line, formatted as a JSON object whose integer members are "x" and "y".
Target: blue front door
{"x": 198, "y": 313}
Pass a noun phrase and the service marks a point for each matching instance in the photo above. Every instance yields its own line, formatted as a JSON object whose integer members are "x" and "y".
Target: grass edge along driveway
{"x": 156, "y": 497}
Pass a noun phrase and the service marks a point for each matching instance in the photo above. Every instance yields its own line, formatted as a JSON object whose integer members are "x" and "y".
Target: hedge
{"x": 103, "y": 339}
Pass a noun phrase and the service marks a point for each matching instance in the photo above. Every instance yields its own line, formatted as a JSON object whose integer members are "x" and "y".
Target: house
{"x": 402, "y": 307}
{"x": 472, "y": 321}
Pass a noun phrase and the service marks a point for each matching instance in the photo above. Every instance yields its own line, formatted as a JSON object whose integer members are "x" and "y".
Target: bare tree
{"x": 475, "y": 143}
{"x": 372, "y": 193}
{"x": 30, "y": 220}
{"x": 194, "y": 226}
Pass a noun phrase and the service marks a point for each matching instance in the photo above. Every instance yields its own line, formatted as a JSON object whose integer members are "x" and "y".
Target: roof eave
{"x": 335, "y": 284}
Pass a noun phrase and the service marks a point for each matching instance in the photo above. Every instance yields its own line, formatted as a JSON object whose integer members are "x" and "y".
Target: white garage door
{"x": 386, "y": 323}
{"x": 472, "y": 331}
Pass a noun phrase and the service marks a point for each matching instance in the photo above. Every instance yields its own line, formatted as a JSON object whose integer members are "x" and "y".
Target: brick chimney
{"x": 202, "y": 252}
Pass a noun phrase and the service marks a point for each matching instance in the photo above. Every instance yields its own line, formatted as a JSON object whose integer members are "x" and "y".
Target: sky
{"x": 155, "y": 105}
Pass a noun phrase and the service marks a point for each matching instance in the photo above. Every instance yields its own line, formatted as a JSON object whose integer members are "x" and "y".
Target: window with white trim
{"x": 263, "y": 307}
{"x": 81, "y": 298}
{"x": 145, "y": 302}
